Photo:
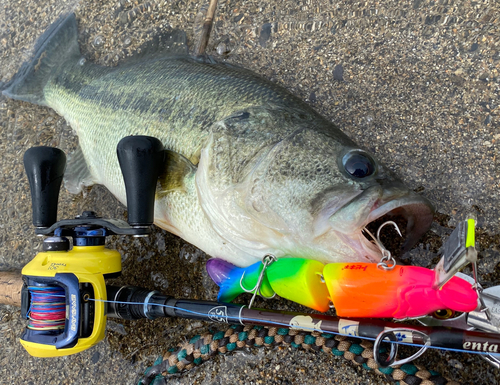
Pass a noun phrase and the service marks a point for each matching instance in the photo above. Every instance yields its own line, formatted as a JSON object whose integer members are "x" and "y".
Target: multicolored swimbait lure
{"x": 355, "y": 289}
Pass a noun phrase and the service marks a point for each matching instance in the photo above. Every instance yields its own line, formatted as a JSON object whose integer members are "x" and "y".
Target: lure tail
{"x": 296, "y": 279}
{"x": 234, "y": 280}
{"x": 56, "y": 46}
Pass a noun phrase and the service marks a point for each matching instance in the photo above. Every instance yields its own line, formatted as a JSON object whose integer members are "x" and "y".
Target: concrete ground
{"x": 416, "y": 82}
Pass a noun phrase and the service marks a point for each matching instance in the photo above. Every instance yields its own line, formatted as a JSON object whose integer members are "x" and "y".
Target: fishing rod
{"x": 46, "y": 305}
{"x": 64, "y": 297}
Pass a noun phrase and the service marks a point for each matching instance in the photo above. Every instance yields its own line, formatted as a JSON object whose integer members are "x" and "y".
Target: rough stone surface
{"x": 416, "y": 82}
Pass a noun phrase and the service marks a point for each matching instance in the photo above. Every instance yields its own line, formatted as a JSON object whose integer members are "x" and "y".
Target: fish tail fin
{"x": 234, "y": 280}
{"x": 54, "y": 47}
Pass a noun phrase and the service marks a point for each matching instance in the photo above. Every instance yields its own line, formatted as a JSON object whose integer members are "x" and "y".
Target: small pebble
{"x": 98, "y": 41}
{"x": 456, "y": 364}
{"x": 338, "y": 72}
{"x": 127, "y": 41}
{"x": 265, "y": 34}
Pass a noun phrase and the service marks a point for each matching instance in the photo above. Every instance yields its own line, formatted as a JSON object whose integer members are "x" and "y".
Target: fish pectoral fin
{"x": 77, "y": 174}
{"x": 176, "y": 169}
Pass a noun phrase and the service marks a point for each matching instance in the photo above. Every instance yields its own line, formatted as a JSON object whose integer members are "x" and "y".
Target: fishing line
{"x": 47, "y": 309}
{"x": 311, "y": 329}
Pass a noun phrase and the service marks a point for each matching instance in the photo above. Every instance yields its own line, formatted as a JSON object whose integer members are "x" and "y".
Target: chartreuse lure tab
{"x": 295, "y": 279}
{"x": 364, "y": 290}
{"x": 459, "y": 251}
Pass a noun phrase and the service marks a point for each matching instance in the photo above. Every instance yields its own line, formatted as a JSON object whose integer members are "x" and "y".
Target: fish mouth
{"x": 412, "y": 213}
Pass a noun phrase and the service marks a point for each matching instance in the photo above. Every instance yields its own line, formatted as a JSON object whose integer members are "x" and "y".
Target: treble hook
{"x": 386, "y": 254}
{"x": 388, "y": 223}
{"x": 267, "y": 260}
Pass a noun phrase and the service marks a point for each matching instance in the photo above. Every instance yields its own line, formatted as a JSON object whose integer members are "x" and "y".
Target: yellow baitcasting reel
{"x": 56, "y": 298}
{"x": 64, "y": 287}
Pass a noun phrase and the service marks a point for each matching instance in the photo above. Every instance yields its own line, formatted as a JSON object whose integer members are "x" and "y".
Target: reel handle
{"x": 141, "y": 161}
{"x": 45, "y": 170}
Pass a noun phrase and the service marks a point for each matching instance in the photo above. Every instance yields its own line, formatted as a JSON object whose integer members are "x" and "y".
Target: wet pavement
{"x": 416, "y": 82}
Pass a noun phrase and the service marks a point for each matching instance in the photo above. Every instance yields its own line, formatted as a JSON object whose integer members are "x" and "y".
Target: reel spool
{"x": 63, "y": 287}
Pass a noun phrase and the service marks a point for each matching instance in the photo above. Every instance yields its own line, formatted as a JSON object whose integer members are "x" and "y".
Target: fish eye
{"x": 358, "y": 164}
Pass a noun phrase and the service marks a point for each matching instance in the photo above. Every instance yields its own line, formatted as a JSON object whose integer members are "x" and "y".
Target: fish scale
{"x": 251, "y": 169}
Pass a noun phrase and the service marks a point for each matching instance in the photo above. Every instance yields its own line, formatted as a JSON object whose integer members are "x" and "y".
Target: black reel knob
{"x": 141, "y": 161}
{"x": 45, "y": 169}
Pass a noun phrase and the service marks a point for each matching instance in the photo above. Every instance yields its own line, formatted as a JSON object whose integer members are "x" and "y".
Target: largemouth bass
{"x": 251, "y": 169}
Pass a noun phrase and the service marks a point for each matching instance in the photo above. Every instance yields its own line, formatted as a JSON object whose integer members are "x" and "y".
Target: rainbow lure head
{"x": 364, "y": 290}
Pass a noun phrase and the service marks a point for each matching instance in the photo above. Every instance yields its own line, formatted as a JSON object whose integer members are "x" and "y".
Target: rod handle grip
{"x": 11, "y": 283}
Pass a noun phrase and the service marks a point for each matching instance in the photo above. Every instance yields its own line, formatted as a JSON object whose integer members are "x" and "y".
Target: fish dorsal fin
{"x": 77, "y": 174}
{"x": 170, "y": 43}
{"x": 177, "y": 168}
